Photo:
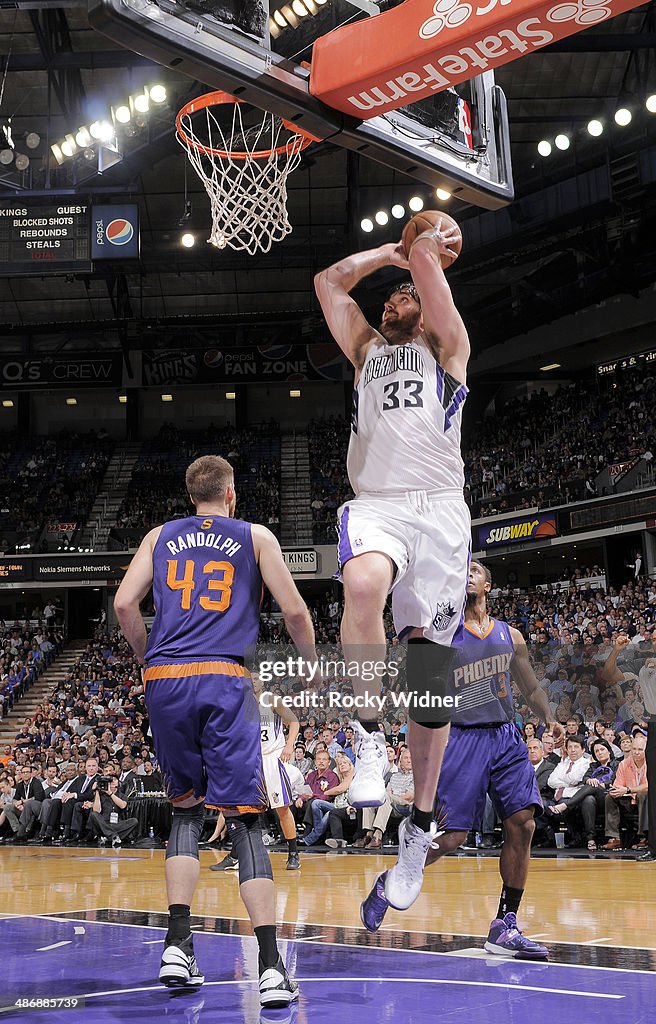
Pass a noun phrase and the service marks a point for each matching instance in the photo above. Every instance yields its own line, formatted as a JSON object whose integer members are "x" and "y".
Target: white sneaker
{"x": 268, "y": 839}
{"x": 367, "y": 788}
{"x": 404, "y": 880}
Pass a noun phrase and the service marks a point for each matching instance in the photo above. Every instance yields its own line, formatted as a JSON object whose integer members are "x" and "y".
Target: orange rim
{"x": 218, "y": 99}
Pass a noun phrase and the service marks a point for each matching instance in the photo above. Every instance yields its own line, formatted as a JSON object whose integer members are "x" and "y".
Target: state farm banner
{"x": 291, "y": 363}
{"x": 421, "y": 47}
{"x": 511, "y": 531}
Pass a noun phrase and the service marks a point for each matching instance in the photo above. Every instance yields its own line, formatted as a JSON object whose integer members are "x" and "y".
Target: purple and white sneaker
{"x": 374, "y": 908}
{"x": 506, "y": 939}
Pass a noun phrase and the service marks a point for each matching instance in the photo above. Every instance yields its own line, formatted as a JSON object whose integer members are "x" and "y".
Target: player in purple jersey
{"x": 486, "y": 755}
{"x": 207, "y": 572}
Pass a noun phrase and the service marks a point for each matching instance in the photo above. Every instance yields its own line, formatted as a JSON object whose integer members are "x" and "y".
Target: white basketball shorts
{"x": 276, "y": 780}
{"x": 428, "y": 537}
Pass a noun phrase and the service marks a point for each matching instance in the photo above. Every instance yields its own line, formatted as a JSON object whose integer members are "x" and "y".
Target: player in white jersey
{"x": 408, "y": 529}
{"x": 277, "y": 752}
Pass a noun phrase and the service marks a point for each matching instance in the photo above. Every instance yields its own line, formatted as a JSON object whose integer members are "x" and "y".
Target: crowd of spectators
{"x": 551, "y": 447}
{"x": 571, "y": 634}
{"x": 539, "y": 450}
{"x": 26, "y": 650}
{"x": 92, "y": 726}
{"x": 51, "y": 480}
{"x": 157, "y": 492}
{"x": 329, "y": 486}
{"x": 590, "y": 649}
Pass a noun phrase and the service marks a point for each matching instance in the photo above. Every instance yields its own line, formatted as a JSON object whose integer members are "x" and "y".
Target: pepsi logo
{"x": 213, "y": 357}
{"x": 119, "y": 231}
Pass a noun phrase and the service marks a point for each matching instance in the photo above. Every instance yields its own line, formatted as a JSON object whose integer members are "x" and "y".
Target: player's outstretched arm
{"x": 344, "y": 317}
{"x": 134, "y": 586}
{"x": 443, "y": 325}
{"x": 524, "y": 676}
{"x": 279, "y": 580}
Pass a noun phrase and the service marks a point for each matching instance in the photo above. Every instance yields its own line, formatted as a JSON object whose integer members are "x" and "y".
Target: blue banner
{"x": 115, "y": 232}
{"x": 511, "y": 531}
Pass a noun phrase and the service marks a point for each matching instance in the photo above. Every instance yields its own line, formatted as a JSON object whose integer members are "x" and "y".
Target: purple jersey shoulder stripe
{"x": 440, "y": 383}
{"x": 454, "y": 405}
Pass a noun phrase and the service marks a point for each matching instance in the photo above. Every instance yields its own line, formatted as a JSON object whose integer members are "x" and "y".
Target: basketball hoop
{"x": 244, "y": 170}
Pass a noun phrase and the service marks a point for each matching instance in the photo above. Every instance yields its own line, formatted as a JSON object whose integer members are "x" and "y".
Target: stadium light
{"x": 167, "y": 398}
{"x": 398, "y": 211}
{"x": 442, "y": 194}
{"x": 416, "y": 203}
{"x": 188, "y": 240}
{"x": 650, "y": 103}
{"x": 623, "y": 117}
{"x": 83, "y": 138}
{"x": 367, "y": 224}
{"x": 381, "y": 218}
{"x": 562, "y": 142}
{"x": 122, "y": 114}
{"x": 71, "y": 401}
{"x": 544, "y": 148}
{"x": 595, "y": 128}
{"x": 158, "y": 94}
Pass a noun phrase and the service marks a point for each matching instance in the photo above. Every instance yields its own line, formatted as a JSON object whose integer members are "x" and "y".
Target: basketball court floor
{"x": 82, "y": 930}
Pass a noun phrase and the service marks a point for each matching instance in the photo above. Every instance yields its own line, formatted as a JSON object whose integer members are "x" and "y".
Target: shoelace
{"x": 415, "y": 850}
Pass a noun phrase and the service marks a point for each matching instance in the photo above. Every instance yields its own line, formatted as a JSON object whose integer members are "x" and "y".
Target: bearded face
{"x": 401, "y": 319}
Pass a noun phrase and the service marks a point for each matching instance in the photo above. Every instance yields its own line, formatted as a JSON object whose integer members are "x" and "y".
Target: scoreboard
{"x": 38, "y": 237}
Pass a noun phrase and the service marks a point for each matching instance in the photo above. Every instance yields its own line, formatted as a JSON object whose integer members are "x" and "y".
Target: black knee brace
{"x": 428, "y": 673}
{"x": 186, "y": 827}
{"x": 248, "y": 848}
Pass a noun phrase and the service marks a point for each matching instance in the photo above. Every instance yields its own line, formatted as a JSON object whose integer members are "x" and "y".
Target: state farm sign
{"x": 418, "y": 48}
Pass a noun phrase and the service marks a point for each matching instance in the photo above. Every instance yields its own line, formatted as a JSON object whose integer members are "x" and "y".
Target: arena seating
{"x": 48, "y": 481}
{"x": 157, "y": 493}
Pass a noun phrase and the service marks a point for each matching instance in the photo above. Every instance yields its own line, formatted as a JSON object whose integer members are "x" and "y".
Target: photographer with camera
{"x": 105, "y": 816}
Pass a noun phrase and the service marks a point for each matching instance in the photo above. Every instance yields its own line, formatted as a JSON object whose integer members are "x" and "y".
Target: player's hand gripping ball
{"x": 441, "y": 227}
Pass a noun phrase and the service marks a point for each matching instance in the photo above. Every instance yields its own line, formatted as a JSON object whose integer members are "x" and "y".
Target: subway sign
{"x": 513, "y": 531}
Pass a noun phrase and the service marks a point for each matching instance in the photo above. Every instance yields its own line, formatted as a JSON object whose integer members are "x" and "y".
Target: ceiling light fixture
{"x": 544, "y": 148}
{"x": 562, "y": 142}
{"x": 623, "y": 117}
{"x": 550, "y": 366}
{"x": 442, "y": 194}
{"x": 650, "y": 103}
{"x": 595, "y": 128}
{"x": 398, "y": 211}
{"x": 367, "y": 224}
{"x": 416, "y": 203}
{"x": 382, "y": 218}
{"x": 188, "y": 240}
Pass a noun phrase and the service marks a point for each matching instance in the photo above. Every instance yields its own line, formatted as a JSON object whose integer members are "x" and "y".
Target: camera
{"x": 103, "y": 783}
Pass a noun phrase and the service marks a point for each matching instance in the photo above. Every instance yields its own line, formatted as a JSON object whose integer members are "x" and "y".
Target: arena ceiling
{"x": 580, "y": 231}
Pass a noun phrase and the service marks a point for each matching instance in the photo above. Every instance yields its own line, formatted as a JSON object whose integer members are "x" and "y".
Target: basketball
{"x": 546, "y": 529}
{"x": 427, "y": 220}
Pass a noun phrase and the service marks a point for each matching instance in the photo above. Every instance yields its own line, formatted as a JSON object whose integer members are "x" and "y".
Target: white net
{"x": 248, "y": 196}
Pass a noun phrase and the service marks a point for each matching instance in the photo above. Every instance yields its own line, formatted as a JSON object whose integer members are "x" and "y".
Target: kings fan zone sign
{"x": 535, "y": 527}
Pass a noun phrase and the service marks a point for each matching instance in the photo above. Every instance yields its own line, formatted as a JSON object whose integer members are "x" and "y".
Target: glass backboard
{"x": 261, "y": 50}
